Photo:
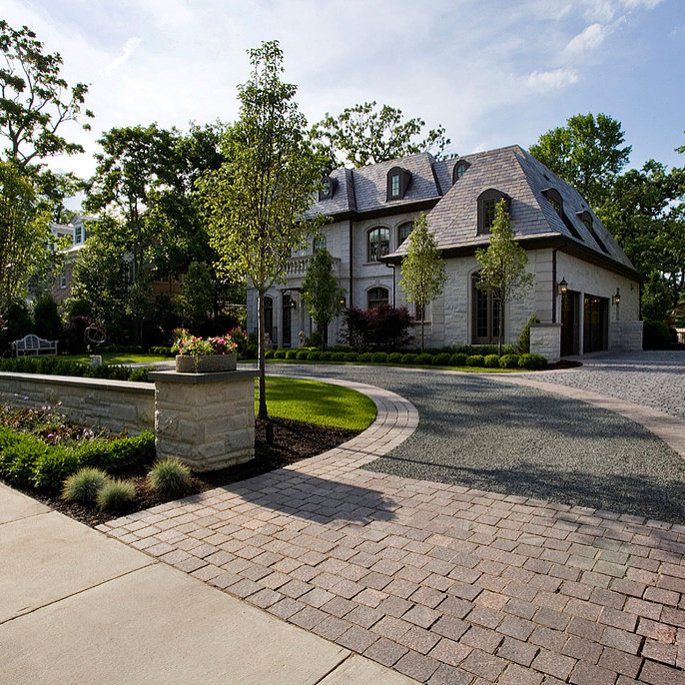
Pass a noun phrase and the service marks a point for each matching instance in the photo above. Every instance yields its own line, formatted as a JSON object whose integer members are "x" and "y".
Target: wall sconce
{"x": 293, "y": 304}
{"x": 342, "y": 301}
{"x": 616, "y": 299}
{"x": 562, "y": 287}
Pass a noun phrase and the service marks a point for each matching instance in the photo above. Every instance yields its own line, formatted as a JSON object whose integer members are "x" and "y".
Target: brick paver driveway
{"x": 443, "y": 582}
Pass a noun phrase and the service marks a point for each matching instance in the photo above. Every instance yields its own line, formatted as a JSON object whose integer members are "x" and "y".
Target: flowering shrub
{"x": 187, "y": 344}
{"x": 239, "y": 336}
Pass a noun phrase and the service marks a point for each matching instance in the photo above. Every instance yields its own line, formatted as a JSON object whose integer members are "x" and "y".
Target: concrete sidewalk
{"x": 76, "y": 606}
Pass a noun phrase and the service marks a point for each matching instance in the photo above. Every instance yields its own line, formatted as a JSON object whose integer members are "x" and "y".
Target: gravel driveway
{"x": 484, "y": 434}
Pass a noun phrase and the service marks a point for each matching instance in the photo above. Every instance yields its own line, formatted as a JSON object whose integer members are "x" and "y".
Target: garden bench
{"x": 33, "y": 345}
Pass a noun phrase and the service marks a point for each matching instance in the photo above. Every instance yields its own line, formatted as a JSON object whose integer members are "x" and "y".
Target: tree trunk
{"x": 262, "y": 412}
{"x": 500, "y": 325}
{"x": 423, "y": 317}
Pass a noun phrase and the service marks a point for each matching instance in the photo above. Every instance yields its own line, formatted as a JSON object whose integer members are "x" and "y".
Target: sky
{"x": 492, "y": 72}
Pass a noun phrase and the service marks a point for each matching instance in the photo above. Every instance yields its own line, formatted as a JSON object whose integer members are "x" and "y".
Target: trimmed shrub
{"x": 326, "y": 356}
{"x": 116, "y": 494}
{"x": 441, "y": 359}
{"x": 338, "y": 356}
{"x": 523, "y": 345}
{"x": 140, "y": 375}
{"x": 365, "y": 357}
{"x": 302, "y": 355}
{"x": 52, "y": 468}
{"x": 409, "y": 358}
{"x": 532, "y": 361}
{"x": 475, "y": 360}
{"x": 268, "y": 354}
{"x": 395, "y": 358}
{"x": 492, "y": 361}
{"x": 424, "y": 359}
{"x": 84, "y": 485}
{"x": 279, "y": 354}
{"x": 169, "y": 477}
{"x": 351, "y": 356}
{"x": 291, "y": 354}
{"x": 380, "y": 357}
{"x": 458, "y": 359}
{"x": 509, "y": 361}
{"x": 314, "y": 356}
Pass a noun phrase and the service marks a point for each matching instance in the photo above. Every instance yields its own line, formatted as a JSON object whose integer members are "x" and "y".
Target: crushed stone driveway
{"x": 443, "y": 572}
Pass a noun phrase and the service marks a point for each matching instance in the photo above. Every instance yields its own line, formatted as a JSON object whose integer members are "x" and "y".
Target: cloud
{"x": 637, "y": 4}
{"x": 587, "y": 40}
{"x": 551, "y": 80}
{"x": 129, "y": 48}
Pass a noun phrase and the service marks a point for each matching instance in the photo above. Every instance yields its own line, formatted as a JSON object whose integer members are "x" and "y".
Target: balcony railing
{"x": 297, "y": 266}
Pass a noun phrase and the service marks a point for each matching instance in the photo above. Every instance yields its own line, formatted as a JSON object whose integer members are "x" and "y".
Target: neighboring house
{"x": 76, "y": 232}
{"x": 586, "y": 291}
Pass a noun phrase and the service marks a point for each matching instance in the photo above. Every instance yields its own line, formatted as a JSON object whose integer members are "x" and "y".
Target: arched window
{"x": 485, "y": 321}
{"x": 327, "y": 189}
{"x": 459, "y": 168}
{"x": 555, "y": 200}
{"x": 319, "y": 243}
{"x": 487, "y": 204}
{"x": 378, "y": 243}
{"x": 375, "y": 297}
{"x": 403, "y": 232}
{"x": 398, "y": 182}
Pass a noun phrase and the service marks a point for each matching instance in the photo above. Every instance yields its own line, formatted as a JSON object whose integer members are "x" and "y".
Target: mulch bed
{"x": 293, "y": 440}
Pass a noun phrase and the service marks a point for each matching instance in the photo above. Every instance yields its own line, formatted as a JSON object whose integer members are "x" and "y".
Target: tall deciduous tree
{"x": 503, "y": 267}
{"x": 254, "y": 204}
{"x": 365, "y": 134}
{"x": 322, "y": 296}
{"x": 588, "y": 153}
{"x": 24, "y": 234}
{"x": 423, "y": 270}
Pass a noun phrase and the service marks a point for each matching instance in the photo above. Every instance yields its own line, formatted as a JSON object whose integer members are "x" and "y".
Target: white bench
{"x": 33, "y": 345}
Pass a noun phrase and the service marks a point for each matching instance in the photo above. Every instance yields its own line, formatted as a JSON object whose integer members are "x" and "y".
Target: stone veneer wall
{"x": 117, "y": 405}
{"x": 545, "y": 339}
{"x": 625, "y": 336}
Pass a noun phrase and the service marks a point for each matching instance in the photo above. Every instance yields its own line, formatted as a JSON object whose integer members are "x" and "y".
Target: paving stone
{"x": 482, "y": 639}
{"x": 419, "y": 639}
{"x": 554, "y": 664}
{"x": 517, "y": 675}
{"x": 385, "y": 652}
{"x": 449, "y": 675}
{"x": 658, "y": 674}
{"x": 589, "y": 674}
{"x": 450, "y": 652}
{"x": 515, "y": 650}
{"x": 484, "y": 664}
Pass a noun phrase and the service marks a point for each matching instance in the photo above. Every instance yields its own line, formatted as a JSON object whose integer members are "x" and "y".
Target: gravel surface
{"x": 654, "y": 378}
{"x": 498, "y": 437}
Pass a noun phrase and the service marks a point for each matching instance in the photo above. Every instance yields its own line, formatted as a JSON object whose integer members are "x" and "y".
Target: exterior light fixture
{"x": 293, "y": 304}
{"x": 616, "y": 299}
{"x": 562, "y": 287}
{"x": 342, "y": 301}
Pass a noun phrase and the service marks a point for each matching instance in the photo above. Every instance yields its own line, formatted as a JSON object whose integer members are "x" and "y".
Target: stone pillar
{"x": 545, "y": 339}
{"x": 625, "y": 336}
{"x": 205, "y": 419}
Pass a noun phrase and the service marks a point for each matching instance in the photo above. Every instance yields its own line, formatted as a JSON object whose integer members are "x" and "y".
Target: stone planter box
{"x": 186, "y": 363}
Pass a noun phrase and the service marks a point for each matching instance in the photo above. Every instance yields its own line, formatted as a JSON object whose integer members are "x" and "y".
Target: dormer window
{"x": 78, "y": 234}
{"x": 487, "y": 208}
{"x": 398, "y": 182}
{"x": 586, "y": 218}
{"x": 459, "y": 168}
{"x": 327, "y": 189}
{"x": 555, "y": 200}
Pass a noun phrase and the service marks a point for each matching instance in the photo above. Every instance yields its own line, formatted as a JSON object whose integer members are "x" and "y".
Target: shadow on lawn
{"x": 315, "y": 499}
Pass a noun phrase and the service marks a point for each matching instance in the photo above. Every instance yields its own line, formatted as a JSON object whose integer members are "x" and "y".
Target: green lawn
{"x": 117, "y": 358}
{"x": 318, "y": 403}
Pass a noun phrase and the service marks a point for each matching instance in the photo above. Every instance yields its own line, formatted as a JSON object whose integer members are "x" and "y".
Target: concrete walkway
{"x": 444, "y": 583}
{"x": 79, "y": 607}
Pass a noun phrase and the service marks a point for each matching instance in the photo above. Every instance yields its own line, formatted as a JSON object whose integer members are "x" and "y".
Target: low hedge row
{"x": 506, "y": 361}
{"x": 54, "y": 366}
{"x": 27, "y": 461}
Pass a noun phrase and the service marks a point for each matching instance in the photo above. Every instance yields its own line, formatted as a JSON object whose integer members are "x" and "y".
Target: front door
{"x": 595, "y": 323}
{"x": 485, "y": 327}
{"x": 287, "y": 312}
{"x": 569, "y": 323}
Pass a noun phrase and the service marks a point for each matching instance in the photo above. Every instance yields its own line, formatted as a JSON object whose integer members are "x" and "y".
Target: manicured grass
{"x": 117, "y": 358}
{"x": 465, "y": 369}
{"x": 318, "y": 403}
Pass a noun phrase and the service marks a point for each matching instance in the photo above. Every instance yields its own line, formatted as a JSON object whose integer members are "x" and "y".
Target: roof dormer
{"x": 398, "y": 182}
{"x": 327, "y": 189}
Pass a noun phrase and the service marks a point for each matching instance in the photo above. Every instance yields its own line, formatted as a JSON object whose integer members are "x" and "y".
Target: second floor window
{"x": 319, "y": 243}
{"x": 403, "y": 232}
{"x": 378, "y": 243}
{"x": 487, "y": 209}
{"x": 78, "y": 235}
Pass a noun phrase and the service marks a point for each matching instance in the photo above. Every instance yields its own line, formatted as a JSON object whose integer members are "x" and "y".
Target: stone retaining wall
{"x": 625, "y": 336}
{"x": 116, "y": 405}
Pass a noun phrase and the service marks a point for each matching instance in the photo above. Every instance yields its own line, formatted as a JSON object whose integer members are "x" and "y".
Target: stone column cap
{"x": 547, "y": 324}
{"x": 214, "y": 377}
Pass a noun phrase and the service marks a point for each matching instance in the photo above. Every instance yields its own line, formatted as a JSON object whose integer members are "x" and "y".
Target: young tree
{"x": 423, "y": 270}
{"x": 503, "y": 267}
{"x": 364, "y": 135}
{"x": 255, "y": 202}
{"x": 320, "y": 292}
{"x": 586, "y": 153}
{"x": 197, "y": 294}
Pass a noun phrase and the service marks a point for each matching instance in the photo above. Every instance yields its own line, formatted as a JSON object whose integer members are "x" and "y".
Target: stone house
{"x": 586, "y": 291}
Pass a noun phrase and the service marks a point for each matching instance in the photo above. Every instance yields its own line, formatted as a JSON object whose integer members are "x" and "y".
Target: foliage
{"x": 475, "y": 360}
{"x": 255, "y": 202}
{"x": 24, "y": 233}
{"x": 423, "y": 269}
{"x": 169, "y": 477}
{"x": 196, "y": 296}
{"x": 64, "y": 367}
{"x": 238, "y": 336}
{"x": 186, "y": 344}
{"x": 423, "y": 359}
{"x": 523, "y": 345}
{"x": 323, "y": 298}
{"x": 381, "y": 327}
{"x": 492, "y": 361}
{"x": 395, "y": 358}
{"x": 586, "y": 153}
{"x": 409, "y": 358}
{"x": 84, "y": 485}
{"x": 116, "y": 495}
{"x": 458, "y": 359}
{"x": 656, "y": 335}
{"x": 503, "y": 266}
{"x": 364, "y": 135}
{"x": 48, "y": 323}
{"x": 509, "y": 361}
{"x": 534, "y": 362}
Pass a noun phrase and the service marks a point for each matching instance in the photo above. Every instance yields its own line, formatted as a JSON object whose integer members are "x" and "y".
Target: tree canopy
{"x": 365, "y": 134}
{"x": 423, "y": 269}
{"x": 588, "y": 153}
{"x": 255, "y": 202}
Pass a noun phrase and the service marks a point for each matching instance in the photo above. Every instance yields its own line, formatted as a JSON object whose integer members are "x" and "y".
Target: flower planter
{"x": 186, "y": 363}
